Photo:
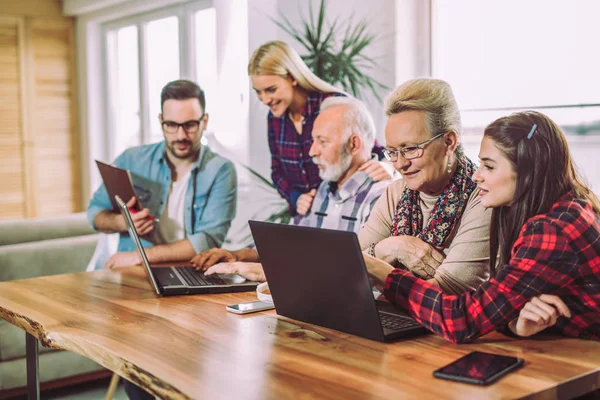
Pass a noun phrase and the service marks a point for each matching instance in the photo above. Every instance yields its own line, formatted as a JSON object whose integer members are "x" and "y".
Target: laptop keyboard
{"x": 197, "y": 278}
{"x": 397, "y": 322}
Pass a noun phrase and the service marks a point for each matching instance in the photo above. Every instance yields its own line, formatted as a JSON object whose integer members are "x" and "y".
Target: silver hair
{"x": 356, "y": 119}
{"x": 436, "y": 99}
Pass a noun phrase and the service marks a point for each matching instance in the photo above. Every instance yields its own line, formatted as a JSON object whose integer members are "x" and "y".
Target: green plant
{"x": 336, "y": 52}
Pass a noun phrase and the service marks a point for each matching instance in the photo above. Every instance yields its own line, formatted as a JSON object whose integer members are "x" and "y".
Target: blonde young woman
{"x": 285, "y": 84}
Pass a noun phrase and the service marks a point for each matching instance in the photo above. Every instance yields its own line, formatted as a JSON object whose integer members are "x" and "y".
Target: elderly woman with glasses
{"x": 431, "y": 222}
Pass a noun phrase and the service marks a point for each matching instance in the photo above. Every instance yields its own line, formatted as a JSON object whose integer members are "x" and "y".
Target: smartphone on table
{"x": 479, "y": 368}
{"x": 246, "y": 308}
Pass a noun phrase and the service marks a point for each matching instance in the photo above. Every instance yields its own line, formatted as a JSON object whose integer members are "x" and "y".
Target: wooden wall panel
{"x": 39, "y": 161}
{"x": 42, "y": 8}
{"x": 52, "y": 116}
{"x": 12, "y": 189}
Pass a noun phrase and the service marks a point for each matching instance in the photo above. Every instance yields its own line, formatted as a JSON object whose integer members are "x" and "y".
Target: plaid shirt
{"x": 292, "y": 169}
{"x": 555, "y": 253}
{"x": 346, "y": 208}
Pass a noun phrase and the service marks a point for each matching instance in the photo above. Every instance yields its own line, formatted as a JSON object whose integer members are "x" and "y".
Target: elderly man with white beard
{"x": 343, "y": 136}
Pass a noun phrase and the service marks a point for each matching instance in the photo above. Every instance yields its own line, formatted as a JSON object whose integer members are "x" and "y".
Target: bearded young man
{"x": 197, "y": 201}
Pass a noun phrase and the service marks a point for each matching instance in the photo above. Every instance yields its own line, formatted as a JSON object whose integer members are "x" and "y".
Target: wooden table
{"x": 191, "y": 347}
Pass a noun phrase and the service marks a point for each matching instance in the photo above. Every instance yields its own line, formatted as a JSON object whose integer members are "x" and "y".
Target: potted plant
{"x": 335, "y": 52}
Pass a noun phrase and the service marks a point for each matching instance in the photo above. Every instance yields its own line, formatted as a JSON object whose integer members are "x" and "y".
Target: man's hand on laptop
{"x": 123, "y": 259}
{"x": 249, "y": 270}
{"x": 208, "y": 258}
{"x": 142, "y": 220}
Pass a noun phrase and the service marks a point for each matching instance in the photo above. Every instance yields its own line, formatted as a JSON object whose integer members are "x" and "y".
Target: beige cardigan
{"x": 466, "y": 250}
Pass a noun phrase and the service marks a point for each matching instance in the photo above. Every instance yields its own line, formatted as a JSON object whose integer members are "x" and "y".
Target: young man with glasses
{"x": 197, "y": 201}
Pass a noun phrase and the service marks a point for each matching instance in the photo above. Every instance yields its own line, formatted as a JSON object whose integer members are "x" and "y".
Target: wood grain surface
{"x": 191, "y": 347}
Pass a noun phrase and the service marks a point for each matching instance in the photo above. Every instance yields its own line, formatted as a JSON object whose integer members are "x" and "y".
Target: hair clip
{"x": 531, "y": 131}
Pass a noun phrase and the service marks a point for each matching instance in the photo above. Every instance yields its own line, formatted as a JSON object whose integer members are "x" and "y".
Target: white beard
{"x": 333, "y": 173}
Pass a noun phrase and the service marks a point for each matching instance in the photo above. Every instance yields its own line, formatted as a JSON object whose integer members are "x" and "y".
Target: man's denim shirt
{"x": 210, "y": 199}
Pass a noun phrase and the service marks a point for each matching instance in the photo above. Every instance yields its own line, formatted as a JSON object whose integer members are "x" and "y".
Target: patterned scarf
{"x": 408, "y": 218}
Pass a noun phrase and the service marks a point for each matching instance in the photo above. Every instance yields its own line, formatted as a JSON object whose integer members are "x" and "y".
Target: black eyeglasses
{"x": 188, "y": 126}
{"x": 409, "y": 152}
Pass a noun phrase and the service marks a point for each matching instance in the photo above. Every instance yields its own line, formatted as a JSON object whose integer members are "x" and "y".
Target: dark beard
{"x": 191, "y": 154}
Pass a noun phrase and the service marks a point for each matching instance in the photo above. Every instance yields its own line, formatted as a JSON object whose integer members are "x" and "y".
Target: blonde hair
{"x": 436, "y": 99}
{"x": 277, "y": 58}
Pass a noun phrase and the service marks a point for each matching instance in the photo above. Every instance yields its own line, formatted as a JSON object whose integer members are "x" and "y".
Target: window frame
{"x": 187, "y": 60}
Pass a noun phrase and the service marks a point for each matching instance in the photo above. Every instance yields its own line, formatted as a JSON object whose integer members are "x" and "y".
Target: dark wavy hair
{"x": 545, "y": 172}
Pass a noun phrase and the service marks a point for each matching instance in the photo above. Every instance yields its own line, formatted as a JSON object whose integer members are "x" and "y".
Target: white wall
{"x": 232, "y": 56}
{"x": 260, "y": 30}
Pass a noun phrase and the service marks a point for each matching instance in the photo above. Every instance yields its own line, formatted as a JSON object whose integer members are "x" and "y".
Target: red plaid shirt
{"x": 555, "y": 253}
{"x": 292, "y": 169}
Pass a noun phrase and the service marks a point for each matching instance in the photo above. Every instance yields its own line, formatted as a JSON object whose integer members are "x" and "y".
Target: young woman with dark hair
{"x": 545, "y": 232}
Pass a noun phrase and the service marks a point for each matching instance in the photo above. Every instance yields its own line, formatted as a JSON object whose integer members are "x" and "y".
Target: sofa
{"x": 32, "y": 248}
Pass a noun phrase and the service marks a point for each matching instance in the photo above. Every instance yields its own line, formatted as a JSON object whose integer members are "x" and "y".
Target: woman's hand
{"x": 378, "y": 270}
{"x": 204, "y": 260}
{"x": 416, "y": 255}
{"x": 377, "y": 170}
{"x": 251, "y": 271}
{"x": 539, "y": 313}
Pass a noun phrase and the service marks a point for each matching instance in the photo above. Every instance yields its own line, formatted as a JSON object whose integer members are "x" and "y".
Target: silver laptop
{"x": 178, "y": 280}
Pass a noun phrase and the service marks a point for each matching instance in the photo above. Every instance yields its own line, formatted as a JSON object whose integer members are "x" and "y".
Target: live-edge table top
{"x": 191, "y": 347}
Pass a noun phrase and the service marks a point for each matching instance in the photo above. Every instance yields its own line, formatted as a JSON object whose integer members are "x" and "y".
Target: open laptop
{"x": 178, "y": 280}
{"x": 319, "y": 276}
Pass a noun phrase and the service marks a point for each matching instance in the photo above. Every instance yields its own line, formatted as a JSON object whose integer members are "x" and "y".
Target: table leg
{"x": 33, "y": 376}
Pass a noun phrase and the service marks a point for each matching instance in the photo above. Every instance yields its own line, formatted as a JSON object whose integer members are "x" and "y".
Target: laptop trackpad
{"x": 232, "y": 279}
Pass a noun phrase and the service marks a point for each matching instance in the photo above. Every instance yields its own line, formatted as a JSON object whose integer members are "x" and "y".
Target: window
{"x": 502, "y": 57}
{"x": 162, "y": 49}
{"x": 124, "y": 89}
{"x": 145, "y": 52}
{"x": 206, "y": 51}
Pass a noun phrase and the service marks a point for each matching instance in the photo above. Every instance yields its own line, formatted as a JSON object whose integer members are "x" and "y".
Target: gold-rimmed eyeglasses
{"x": 409, "y": 152}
